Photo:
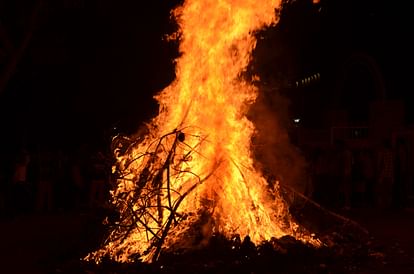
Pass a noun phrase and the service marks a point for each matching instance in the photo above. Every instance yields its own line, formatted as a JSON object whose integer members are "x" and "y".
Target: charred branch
{"x": 148, "y": 201}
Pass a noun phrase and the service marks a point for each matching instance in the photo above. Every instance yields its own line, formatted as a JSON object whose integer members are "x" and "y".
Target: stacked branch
{"x": 148, "y": 196}
{"x": 153, "y": 180}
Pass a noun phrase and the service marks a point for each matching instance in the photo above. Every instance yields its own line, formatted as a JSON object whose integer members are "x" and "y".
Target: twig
{"x": 336, "y": 215}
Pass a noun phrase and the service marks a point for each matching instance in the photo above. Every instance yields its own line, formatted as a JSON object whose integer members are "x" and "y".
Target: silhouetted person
{"x": 385, "y": 168}
{"x": 368, "y": 175}
{"x": 45, "y": 182}
{"x": 78, "y": 182}
{"x": 98, "y": 181}
{"x": 21, "y": 191}
{"x": 358, "y": 180}
{"x": 343, "y": 161}
{"x": 400, "y": 189}
{"x": 323, "y": 185}
{"x": 3, "y": 184}
{"x": 63, "y": 185}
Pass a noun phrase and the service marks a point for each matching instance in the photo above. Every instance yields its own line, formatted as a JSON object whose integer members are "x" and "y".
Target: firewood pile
{"x": 347, "y": 248}
{"x": 343, "y": 254}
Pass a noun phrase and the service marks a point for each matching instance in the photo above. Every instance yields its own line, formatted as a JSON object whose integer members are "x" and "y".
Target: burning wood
{"x": 179, "y": 187}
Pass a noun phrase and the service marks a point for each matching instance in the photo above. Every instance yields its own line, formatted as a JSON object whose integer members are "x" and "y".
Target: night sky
{"x": 92, "y": 65}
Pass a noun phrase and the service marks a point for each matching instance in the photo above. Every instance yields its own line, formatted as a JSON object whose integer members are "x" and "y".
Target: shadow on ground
{"x": 54, "y": 243}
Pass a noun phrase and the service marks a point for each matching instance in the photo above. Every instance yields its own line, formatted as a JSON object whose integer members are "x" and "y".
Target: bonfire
{"x": 192, "y": 175}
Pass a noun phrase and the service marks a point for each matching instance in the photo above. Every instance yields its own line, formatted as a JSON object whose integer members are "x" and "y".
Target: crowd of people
{"x": 376, "y": 176}
{"x": 47, "y": 180}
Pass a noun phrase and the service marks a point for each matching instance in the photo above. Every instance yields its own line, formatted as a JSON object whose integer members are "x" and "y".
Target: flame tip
{"x": 199, "y": 178}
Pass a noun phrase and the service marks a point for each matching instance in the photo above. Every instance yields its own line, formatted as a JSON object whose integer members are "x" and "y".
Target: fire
{"x": 195, "y": 167}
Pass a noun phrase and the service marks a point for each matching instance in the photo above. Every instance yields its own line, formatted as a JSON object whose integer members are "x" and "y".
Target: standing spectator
{"x": 322, "y": 182}
{"x": 343, "y": 161}
{"x": 45, "y": 182}
{"x": 358, "y": 179}
{"x": 3, "y": 184}
{"x": 78, "y": 181}
{"x": 368, "y": 175}
{"x": 400, "y": 189}
{"x": 62, "y": 189}
{"x": 98, "y": 181}
{"x": 385, "y": 167}
{"x": 21, "y": 191}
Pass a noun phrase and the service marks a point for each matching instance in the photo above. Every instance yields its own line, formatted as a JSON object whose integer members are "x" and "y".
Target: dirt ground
{"x": 393, "y": 234}
{"x": 48, "y": 243}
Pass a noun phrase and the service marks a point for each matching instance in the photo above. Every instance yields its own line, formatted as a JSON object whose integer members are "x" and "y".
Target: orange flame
{"x": 202, "y": 120}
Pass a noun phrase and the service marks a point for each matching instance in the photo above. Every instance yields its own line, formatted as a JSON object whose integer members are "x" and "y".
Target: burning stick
{"x": 167, "y": 177}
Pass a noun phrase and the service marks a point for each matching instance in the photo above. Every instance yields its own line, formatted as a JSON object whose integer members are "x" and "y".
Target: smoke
{"x": 276, "y": 62}
{"x": 274, "y": 152}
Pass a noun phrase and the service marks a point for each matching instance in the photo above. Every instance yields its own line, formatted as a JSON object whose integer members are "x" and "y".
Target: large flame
{"x": 197, "y": 156}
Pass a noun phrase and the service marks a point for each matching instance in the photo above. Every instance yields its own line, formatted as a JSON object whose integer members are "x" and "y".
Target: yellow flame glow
{"x": 212, "y": 165}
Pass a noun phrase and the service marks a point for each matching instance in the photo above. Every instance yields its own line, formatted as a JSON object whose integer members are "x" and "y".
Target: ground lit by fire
{"x": 194, "y": 167}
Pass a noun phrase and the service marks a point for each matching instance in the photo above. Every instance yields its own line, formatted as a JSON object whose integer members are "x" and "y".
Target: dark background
{"x": 91, "y": 66}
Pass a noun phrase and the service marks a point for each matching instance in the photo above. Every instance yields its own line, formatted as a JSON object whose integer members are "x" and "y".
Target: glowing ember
{"x": 192, "y": 175}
